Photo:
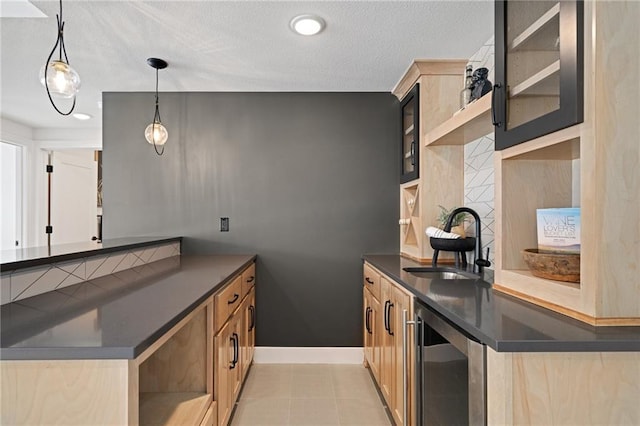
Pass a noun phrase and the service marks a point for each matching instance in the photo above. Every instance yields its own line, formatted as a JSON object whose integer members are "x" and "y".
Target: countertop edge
{"x": 22, "y": 264}
{"x": 138, "y": 349}
{"x": 122, "y": 353}
{"x": 612, "y": 345}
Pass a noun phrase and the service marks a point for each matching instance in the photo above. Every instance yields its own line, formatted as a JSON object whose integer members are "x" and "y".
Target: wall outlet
{"x": 224, "y": 224}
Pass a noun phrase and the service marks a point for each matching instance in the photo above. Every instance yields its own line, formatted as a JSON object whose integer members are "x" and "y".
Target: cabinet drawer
{"x": 371, "y": 280}
{"x": 248, "y": 279}
{"x": 227, "y": 300}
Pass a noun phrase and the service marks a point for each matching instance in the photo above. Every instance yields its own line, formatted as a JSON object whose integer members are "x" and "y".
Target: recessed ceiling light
{"x": 307, "y": 24}
{"x": 81, "y": 116}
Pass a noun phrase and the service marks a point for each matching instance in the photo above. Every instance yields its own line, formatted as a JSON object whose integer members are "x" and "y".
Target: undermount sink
{"x": 440, "y": 273}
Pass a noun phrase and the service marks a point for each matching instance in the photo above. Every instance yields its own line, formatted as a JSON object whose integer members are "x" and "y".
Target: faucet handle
{"x": 484, "y": 262}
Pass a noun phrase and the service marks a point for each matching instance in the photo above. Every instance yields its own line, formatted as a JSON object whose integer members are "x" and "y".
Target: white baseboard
{"x": 295, "y": 355}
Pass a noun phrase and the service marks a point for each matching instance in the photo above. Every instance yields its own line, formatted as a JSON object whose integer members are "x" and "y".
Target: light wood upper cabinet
{"x": 539, "y": 68}
{"x": 440, "y": 168}
{"x": 593, "y": 166}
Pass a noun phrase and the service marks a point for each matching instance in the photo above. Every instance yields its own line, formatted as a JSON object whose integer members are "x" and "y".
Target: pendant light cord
{"x": 156, "y": 119}
{"x": 60, "y": 45}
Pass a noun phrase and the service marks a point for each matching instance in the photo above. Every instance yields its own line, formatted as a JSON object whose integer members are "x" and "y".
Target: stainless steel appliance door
{"x": 451, "y": 373}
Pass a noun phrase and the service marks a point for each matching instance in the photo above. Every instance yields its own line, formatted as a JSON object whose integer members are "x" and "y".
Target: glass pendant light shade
{"x": 63, "y": 81}
{"x": 156, "y": 133}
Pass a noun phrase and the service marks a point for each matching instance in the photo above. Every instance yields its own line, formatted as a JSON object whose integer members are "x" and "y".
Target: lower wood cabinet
{"x": 227, "y": 376}
{"x": 372, "y": 333}
{"x": 191, "y": 375}
{"x": 390, "y": 361}
{"x": 249, "y": 330}
{"x": 234, "y": 341}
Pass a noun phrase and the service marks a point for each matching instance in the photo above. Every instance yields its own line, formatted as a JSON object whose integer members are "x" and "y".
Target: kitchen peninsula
{"x": 162, "y": 340}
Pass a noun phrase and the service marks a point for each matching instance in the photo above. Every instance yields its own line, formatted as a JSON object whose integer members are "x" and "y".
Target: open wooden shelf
{"x": 561, "y": 145}
{"x": 471, "y": 123}
{"x": 173, "y": 408}
{"x": 544, "y": 28}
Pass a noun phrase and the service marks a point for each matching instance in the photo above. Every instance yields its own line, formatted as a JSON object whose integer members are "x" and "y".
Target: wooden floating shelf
{"x": 543, "y": 83}
{"x": 465, "y": 126}
{"x": 536, "y": 28}
{"x": 561, "y": 145}
{"x": 173, "y": 408}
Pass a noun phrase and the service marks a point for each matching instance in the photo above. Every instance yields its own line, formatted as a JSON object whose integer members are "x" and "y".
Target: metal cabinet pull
{"x": 391, "y": 305}
{"x": 494, "y": 108}
{"x": 234, "y": 339}
{"x": 366, "y": 319}
{"x": 251, "y": 279}
{"x": 252, "y": 311}
{"x": 232, "y": 301}
{"x": 367, "y": 279}
{"x": 232, "y": 363}
{"x": 386, "y": 314}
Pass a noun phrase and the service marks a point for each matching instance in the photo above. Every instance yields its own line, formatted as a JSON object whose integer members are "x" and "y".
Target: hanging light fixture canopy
{"x": 155, "y": 133}
{"x": 57, "y": 76}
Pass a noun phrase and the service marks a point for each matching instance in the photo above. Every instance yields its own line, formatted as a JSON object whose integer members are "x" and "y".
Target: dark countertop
{"x": 35, "y": 256}
{"x": 503, "y": 322}
{"x": 113, "y": 317}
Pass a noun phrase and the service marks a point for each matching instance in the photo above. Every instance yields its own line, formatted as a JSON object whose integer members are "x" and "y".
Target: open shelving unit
{"x": 585, "y": 165}
{"x": 467, "y": 125}
{"x": 410, "y": 223}
{"x": 440, "y": 177}
{"x": 543, "y": 173}
{"x": 175, "y": 376}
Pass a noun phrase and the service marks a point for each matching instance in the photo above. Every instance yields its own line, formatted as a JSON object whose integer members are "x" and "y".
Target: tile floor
{"x": 309, "y": 394}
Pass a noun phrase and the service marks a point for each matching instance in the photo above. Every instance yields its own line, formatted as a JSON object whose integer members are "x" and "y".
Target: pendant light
{"x": 57, "y": 76}
{"x": 155, "y": 133}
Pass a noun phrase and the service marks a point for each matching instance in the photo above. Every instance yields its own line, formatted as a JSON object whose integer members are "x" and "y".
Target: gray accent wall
{"x": 309, "y": 182}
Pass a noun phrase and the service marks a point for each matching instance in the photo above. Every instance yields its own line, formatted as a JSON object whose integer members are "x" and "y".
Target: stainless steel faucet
{"x": 479, "y": 262}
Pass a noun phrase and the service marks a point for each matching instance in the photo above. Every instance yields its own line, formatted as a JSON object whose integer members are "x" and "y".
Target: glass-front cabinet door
{"x": 409, "y": 148}
{"x": 539, "y": 68}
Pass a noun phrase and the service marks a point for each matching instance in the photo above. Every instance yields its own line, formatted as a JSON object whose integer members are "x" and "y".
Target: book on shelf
{"x": 559, "y": 230}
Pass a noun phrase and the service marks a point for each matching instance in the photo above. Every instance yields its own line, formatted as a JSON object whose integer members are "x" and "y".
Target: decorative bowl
{"x": 553, "y": 266}
{"x": 455, "y": 244}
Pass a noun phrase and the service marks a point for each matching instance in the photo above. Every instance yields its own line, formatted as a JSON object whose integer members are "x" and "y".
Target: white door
{"x": 10, "y": 196}
{"x": 74, "y": 184}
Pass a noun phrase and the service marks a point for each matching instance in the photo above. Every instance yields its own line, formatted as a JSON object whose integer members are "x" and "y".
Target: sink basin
{"x": 440, "y": 273}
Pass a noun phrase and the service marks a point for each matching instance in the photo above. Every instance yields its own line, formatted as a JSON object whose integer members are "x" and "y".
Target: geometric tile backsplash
{"x": 23, "y": 283}
{"x": 479, "y": 186}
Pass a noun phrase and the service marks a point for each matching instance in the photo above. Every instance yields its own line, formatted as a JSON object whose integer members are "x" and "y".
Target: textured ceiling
{"x": 229, "y": 46}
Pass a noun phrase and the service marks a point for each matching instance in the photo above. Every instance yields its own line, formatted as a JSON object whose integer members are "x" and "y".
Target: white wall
{"x": 36, "y": 143}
